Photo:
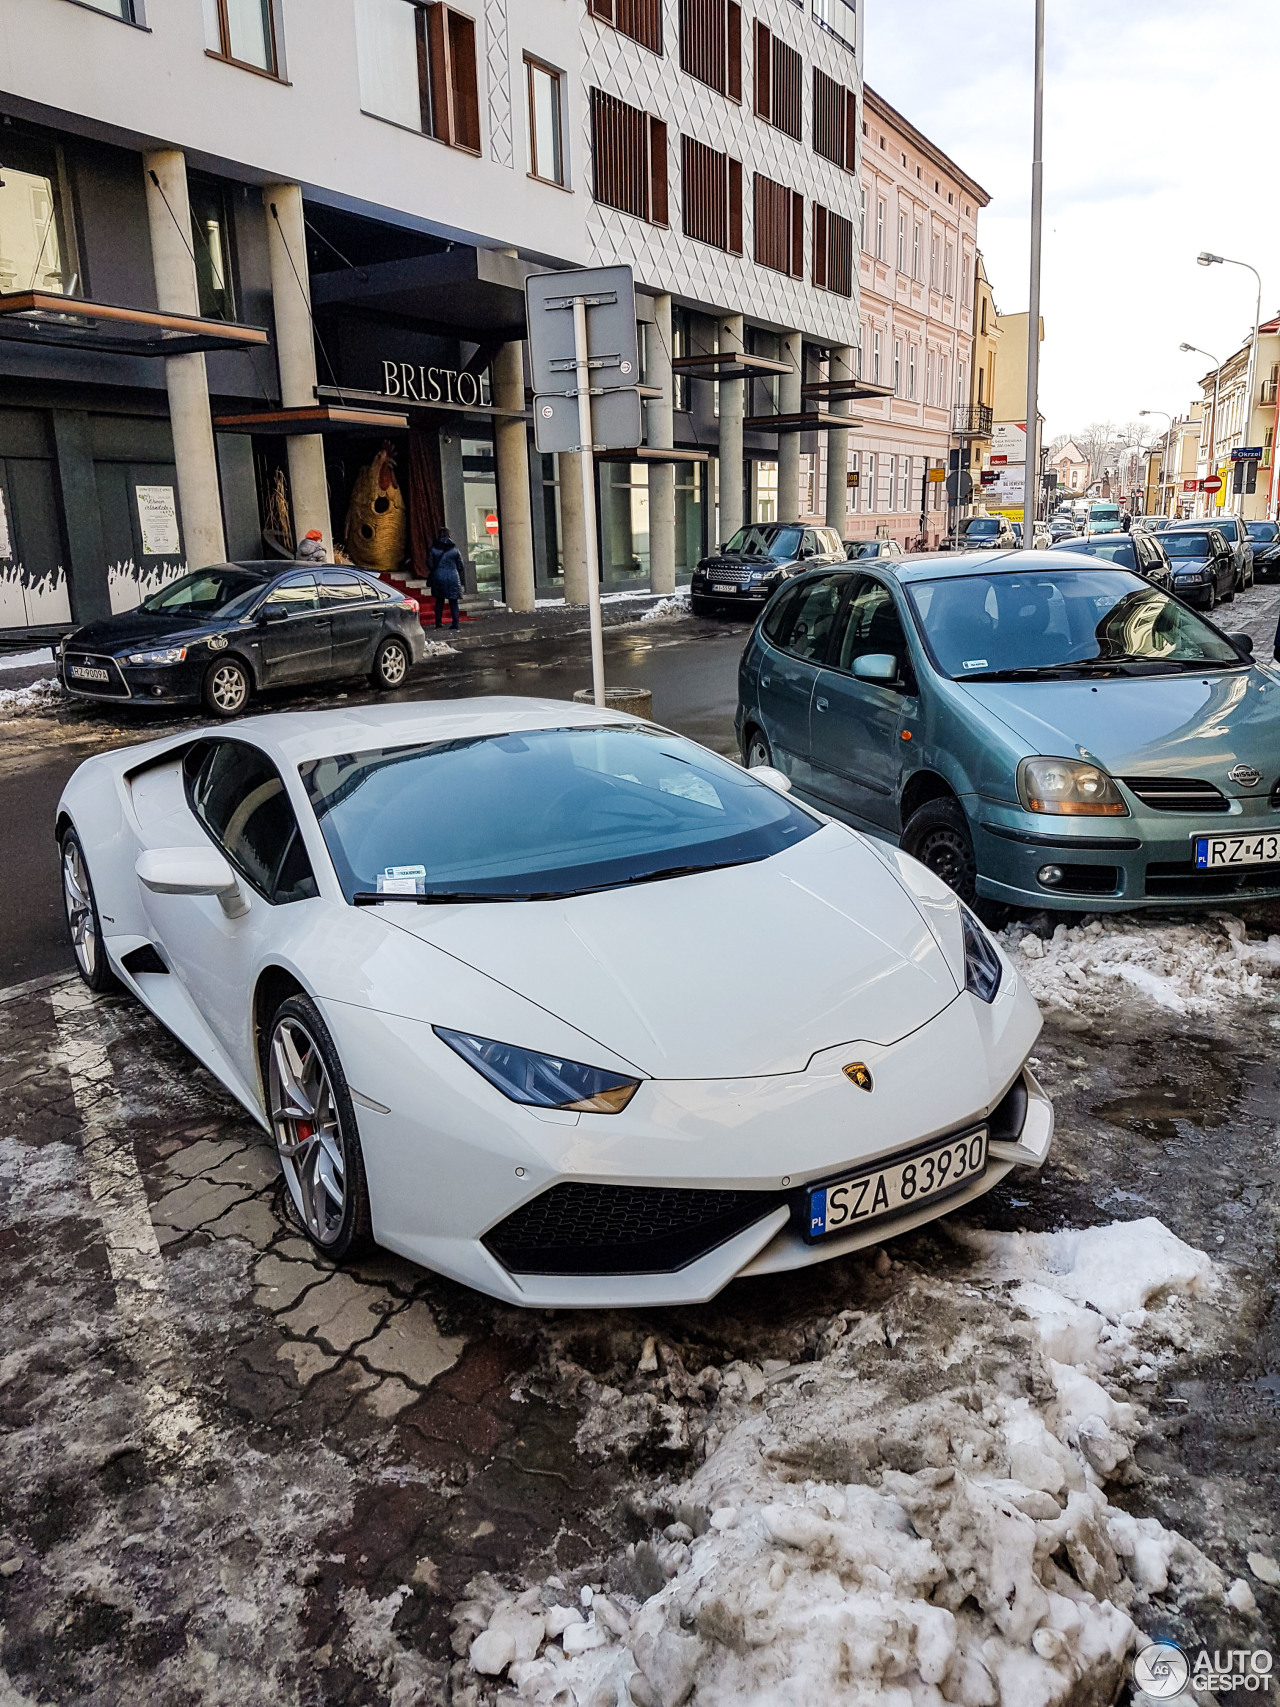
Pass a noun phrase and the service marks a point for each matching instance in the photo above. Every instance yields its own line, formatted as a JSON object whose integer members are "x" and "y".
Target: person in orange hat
{"x": 311, "y": 548}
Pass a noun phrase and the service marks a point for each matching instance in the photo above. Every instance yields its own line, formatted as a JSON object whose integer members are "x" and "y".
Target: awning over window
{"x": 807, "y": 421}
{"x": 311, "y": 418}
{"x": 107, "y": 328}
{"x": 729, "y": 364}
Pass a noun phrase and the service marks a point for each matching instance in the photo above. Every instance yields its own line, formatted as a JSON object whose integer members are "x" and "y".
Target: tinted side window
{"x": 237, "y": 794}
{"x": 812, "y": 616}
{"x": 338, "y": 589}
{"x": 871, "y": 624}
{"x": 298, "y": 595}
{"x": 778, "y": 615}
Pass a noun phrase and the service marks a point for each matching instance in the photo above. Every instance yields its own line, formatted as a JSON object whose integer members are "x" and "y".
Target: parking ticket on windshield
{"x": 402, "y": 880}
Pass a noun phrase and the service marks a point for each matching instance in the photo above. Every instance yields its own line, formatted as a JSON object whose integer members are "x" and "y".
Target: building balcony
{"x": 972, "y": 423}
{"x": 1267, "y": 394}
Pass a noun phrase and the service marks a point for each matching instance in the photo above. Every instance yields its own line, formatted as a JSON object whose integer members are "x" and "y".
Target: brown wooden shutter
{"x": 641, "y": 20}
{"x": 438, "y": 54}
{"x": 424, "y": 68}
{"x": 620, "y": 156}
{"x": 602, "y": 9}
{"x": 797, "y": 235}
{"x": 657, "y": 172}
{"x": 819, "y": 246}
{"x": 734, "y": 243}
{"x": 463, "y": 86}
{"x": 788, "y": 77}
{"x": 839, "y": 254}
{"x": 763, "y": 80}
{"x": 771, "y": 208}
{"x": 851, "y": 131}
{"x": 733, "y": 50}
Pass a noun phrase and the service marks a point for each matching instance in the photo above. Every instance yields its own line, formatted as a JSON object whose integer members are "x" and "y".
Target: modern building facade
{"x": 262, "y": 267}
{"x": 919, "y": 226}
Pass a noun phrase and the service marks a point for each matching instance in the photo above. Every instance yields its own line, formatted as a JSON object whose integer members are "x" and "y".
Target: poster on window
{"x": 158, "y": 520}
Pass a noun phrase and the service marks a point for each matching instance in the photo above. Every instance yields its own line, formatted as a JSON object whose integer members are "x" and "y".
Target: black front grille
{"x": 1177, "y": 793}
{"x": 115, "y": 686}
{"x": 1181, "y": 878}
{"x": 575, "y": 1228}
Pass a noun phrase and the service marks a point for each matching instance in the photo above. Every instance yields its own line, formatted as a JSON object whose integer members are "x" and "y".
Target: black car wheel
{"x": 390, "y": 664}
{"x": 81, "y": 909}
{"x": 938, "y": 836}
{"x": 226, "y": 688}
{"x": 757, "y": 749}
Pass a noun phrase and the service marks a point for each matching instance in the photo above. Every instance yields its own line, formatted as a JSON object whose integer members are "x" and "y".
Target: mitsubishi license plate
{"x": 896, "y": 1186}
{"x": 1213, "y": 852}
{"x": 89, "y": 673}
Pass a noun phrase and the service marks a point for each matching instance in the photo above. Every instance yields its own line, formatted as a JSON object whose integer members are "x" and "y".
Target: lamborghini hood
{"x": 725, "y": 974}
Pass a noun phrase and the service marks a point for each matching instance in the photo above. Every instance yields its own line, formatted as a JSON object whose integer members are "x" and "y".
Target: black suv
{"x": 748, "y": 568}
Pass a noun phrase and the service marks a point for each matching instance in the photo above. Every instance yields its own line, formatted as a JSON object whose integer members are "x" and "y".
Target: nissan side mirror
{"x": 876, "y": 667}
{"x": 272, "y": 613}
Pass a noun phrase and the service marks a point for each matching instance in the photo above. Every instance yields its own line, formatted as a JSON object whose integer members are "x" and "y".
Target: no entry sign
{"x": 1213, "y": 483}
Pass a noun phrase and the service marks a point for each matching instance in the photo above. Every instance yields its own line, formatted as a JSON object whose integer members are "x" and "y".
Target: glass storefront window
{"x": 211, "y": 245}
{"x": 624, "y": 525}
{"x": 33, "y": 239}
{"x": 691, "y": 517}
{"x": 552, "y": 567}
{"x": 480, "y": 495}
{"x": 765, "y": 489}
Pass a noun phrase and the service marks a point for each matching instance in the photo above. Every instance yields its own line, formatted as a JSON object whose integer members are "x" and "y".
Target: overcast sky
{"x": 1160, "y": 141}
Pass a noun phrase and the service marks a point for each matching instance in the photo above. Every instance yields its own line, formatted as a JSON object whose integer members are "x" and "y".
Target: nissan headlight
{"x": 1069, "y": 788}
{"x": 165, "y": 655}
{"x": 981, "y": 962}
{"x": 542, "y": 1081}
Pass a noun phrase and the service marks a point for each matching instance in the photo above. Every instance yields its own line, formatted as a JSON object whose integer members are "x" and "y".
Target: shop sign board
{"x": 158, "y": 521}
{"x": 418, "y": 383}
{"x": 1009, "y": 440}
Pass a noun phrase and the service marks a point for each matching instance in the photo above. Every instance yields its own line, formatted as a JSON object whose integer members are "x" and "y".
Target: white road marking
{"x": 149, "y": 1325}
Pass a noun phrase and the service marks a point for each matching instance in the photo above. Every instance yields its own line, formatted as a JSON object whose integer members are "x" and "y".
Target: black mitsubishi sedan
{"x": 218, "y": 635}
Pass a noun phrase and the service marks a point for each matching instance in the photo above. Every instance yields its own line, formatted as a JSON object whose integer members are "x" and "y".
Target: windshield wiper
{"x": 1123, "y": 663}
{"x": 440, "y": 897}
{"x": 447, "y": 897}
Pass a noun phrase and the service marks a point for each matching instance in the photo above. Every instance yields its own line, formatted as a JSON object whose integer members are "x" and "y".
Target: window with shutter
{"x": 629, "y": 158}
{"x": 712, "y": 195}
{"x": 835, "y": 121}
{"x": 779, "y": 72}
{"x": 455, "y": 95}
{"x": 832, "y": 251}
{"x": 711, "y": 44}
{"x": 639, "y": 19}
{"x": 779, "y": 227}
{"x": 763, "y": 72}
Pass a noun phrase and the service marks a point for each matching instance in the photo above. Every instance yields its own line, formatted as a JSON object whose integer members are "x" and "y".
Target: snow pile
{"x": 918, "y": 1516}
{"x": 438, "y": 649}
{"x": 44, "y": 695}
{"x": 1188, "y": 969}
{"x": 676, "y": 605}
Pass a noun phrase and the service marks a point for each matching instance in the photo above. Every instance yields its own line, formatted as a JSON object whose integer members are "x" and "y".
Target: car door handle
{"x": 820, "y": 704}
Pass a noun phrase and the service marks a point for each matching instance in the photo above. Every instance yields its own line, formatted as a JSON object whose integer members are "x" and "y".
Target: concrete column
{"x": 789, "y": 400}
{"x": 732, "y": 506}
{"x": 169, "y": 220}
{"x": 662, "y": 475}
{"x": 296, "y": 355}
{"x": 839, "y": 369}
{"x": 573, "y": 537}
{"x": 511, "y": 453}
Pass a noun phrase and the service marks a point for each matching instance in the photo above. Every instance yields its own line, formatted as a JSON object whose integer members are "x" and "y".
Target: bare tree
{"x": 1098, "y": 443}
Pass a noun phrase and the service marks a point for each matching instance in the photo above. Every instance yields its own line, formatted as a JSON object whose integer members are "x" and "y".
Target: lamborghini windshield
{"x": 540, "y": 815}
{"x": 1062, "y": 622}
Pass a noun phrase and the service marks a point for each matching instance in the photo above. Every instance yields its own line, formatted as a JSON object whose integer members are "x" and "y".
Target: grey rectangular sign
{"x": 611, "y": 327}
{"x": 615, "y": 422}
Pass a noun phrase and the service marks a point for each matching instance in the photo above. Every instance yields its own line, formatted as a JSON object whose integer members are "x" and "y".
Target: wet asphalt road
{"x": 690, "y": 666}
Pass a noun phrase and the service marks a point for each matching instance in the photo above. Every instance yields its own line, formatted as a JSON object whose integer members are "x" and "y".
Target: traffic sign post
{"x": 582, "y": 327}
{"x": 1213, "y": 483}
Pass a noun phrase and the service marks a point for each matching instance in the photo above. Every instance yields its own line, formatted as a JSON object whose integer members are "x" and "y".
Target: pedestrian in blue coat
{"x": 444, "y": 576}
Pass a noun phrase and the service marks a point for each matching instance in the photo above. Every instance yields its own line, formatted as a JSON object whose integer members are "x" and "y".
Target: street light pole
{"x": 1207, "y": 259}
{"x": 1194, "y": 349}
{"x": 1030, "y": 514}
{"x": 1165, "y": 452}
